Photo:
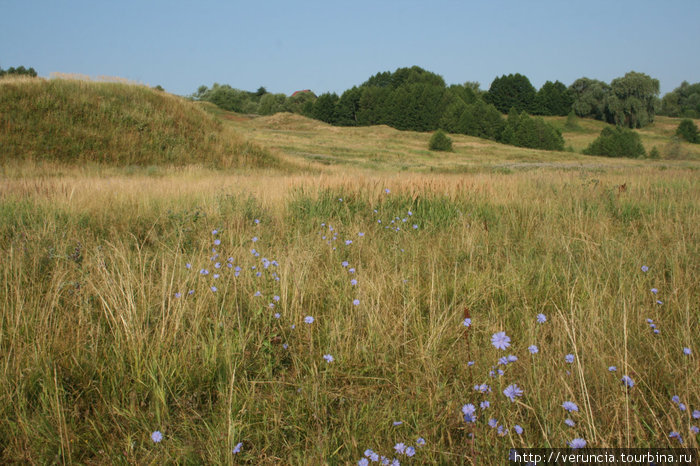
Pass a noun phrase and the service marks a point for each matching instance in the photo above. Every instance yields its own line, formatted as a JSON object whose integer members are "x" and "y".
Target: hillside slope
{"x": 118, "y": 124}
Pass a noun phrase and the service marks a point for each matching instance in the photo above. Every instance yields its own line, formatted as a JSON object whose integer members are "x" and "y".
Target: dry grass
{"x": 97, "y": 351}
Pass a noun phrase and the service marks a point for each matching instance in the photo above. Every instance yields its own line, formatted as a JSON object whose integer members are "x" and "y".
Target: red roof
{"x": 299, "y": 92}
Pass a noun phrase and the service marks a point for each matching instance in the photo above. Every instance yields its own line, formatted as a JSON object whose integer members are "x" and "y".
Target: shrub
{"x": 616, "y": 142}
{"x": 440, "y": 141}
{"x": 688, "y": 131}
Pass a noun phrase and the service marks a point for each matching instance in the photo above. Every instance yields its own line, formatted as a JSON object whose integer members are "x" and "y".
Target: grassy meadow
{"x": 176, "y": 296}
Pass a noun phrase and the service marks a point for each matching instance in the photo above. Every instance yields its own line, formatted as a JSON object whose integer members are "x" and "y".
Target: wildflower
{"x": 502, "y": 431}
{"x": 309, "y": 320}
{"x": 470, "y": 363}
{"x": 695, "y": 429}
{"x": 257, "y": 221}
{"x": 493, "y": 422}
{"x": 500, "y": 340}
{"x": 533, "y": 349}
{"x": 178, "y": 294}
{"x": 659, "y": 302}
{"x": 675, "y": 399}
{"x": 156, "y": 436}
{"x": 577, "y": 443}
{"x": 204, "y": 272}
{"x": 512, "y": 391}
{"x": 216, "y": 275}
{"x": 356, "y": 302}
{"x": 410, "y": 213}
{"x": 386, "y": 190}
{"x": 328, "y": 358}
{"x": 570, "y": 406}
{"x": 682, "y": 406}
{"x": 214, "y": 289}
{"x": 254, "y": 239}
{"x": 257, "y": 293}
{"x": 276, "y": 298}
{"x": 654, "y": 290}
{"x": 612, "y": 369}
{"x": 518, "y": 430}
{"x": 237, "y": 448}
{"x": 645, "y": 268}
{"x": 483, "y": 388}
{"x": 628, "y": 381}
{"x": 360, "y": 234}
{"x": 676, "y": 435}
{"x": 363, "y": 462}
{"x": 420, "y": 442}
{"x": 188, "y": 265}
{"x": 569, "y": 358}
{"x": 469, "y": 412}
{"x": 344, "y": 263}
{"x": 467, "y": 322}
{"x": 277, "y": 315}
{"x": 569, "y": 422}
{"x": 400, "y": 448}
{"x": 217, "y": 265}
{"x": 512, "y": 358}
{"x": 285, "y": 346}
{"x": 485, "y": 404}
{"x": 410, "y": 451}
{"x": 696, "y": 414}
{"x": 397, "y": 423}
{"x": 190, "y": 292}
{"x": 687, "y": 351}
{"x": 353, "y": 282}
{"x": 351, "y": 270}
{"x": 541, "y": 318}
{"x": 217, "y": 242}
{"x": 213, "y": 232}
{"x": 415, "y": 227}
{"x": 348, "y": 242}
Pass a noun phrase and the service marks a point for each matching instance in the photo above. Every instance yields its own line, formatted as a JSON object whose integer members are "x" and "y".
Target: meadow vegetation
{"x": 158, "y": 311}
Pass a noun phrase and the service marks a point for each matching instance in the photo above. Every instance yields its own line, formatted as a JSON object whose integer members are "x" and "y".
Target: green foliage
{"x": 572, "y": 122}
{"x": 348, "y": 106}
{"x": 684, "y": 101}
{"x": 589, "y": 98}
{"x": 616, "y": 142}
{"x": 535, "y": 133}
{"x": 440, "y": 141}
{"x": 688, "y": 131}
{"x": 481, "y": 120}
{"x": 271, "y": 104}
{"x": 632, "y": 101}
{"x": 324, "y": 108}
{"x": 514, "y": 90}
{"x": 553, "y": 98}
{"x": 629, "y": 101}
{"x": 19, "y": 71}
{"x": 654, "y": 153}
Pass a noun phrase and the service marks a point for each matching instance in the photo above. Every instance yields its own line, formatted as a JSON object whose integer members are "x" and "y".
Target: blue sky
{"x": 331, "y": 46}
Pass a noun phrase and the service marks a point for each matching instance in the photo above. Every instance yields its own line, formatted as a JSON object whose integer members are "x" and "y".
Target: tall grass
{"x": 97, "y": 351}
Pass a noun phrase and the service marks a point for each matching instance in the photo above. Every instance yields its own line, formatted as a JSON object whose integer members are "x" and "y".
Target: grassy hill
{"x": 74, "y": 122}
{"x": 335, "y": 148}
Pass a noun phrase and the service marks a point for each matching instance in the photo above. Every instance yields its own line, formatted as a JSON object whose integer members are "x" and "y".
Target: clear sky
{"x": 331, "y": 46}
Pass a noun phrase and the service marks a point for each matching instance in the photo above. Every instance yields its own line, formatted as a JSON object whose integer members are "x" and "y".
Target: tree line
{"x": 419, "y": 100}
{"x": 19, "y": 71}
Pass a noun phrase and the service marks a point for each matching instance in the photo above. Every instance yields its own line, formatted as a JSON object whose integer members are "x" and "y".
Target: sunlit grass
{"x": 98, "y": 352}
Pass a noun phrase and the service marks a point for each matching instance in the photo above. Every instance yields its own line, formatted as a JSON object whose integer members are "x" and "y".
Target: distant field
{"x": 175, "y": 297}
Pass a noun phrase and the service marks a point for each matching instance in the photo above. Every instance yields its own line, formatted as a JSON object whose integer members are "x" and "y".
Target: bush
{"x": 440, "y": 141}
{"x": 617, "y": 142}
{"x": 534, "y": 133}
{"x": 688, "y": 131}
